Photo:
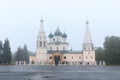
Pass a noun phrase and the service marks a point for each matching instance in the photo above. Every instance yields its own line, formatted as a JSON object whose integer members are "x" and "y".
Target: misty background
{"x": 20, "y": 20}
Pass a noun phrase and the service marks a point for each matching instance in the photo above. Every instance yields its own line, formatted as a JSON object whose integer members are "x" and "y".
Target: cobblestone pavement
{"x": 59, "y": 72}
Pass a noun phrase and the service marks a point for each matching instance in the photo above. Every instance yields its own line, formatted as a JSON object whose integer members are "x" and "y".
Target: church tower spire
{"x": 87, "y": 38}
{"x": 41, "y": 26}
{"x": 87, "y": 44}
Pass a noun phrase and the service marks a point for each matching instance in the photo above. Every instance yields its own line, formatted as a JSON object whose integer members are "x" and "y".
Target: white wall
{"x": 89, "y": 56}
{"x": 60, "y": 46}
{"x": 73, "y": 57}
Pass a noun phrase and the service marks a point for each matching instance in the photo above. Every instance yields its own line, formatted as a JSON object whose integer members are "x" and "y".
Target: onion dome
{"x": 41, "y": 20}
{"x": 50, "y": 35}
{"x": 58, "y": 32}
{"x": 64, "y": 35}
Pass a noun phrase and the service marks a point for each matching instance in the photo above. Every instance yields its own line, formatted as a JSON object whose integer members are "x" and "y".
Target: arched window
{"x": 64, "y": 57}
{"x": 63, "y": 48}
{"x": 88, "y": 63}
{"x": 57, "y": 48}
{"x": 50, "y": 57}
{"x": 79, "y": 57}
{"x": 40, "y": 44}
{"x": 44, "y": 44}
{"x": 72, "y": 57}
{"x": 91, "y": 57}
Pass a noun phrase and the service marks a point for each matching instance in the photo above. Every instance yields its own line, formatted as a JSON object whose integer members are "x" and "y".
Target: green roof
{"x": 64, "y": 35}
{"x": 66, "y": 52}
{"x": 58, "y": 32}
{"x": 50, "y": 35}
{"x": 63, "y": 52}
{"x": 32, "y": 54}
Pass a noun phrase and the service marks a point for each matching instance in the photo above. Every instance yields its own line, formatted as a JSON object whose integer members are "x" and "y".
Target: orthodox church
{"x": 56, "y": 50}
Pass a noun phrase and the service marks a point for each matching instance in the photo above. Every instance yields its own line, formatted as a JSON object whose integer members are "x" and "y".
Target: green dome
{"x": 50, "y": 35}
{"x": 58, "y": 32}
{"x": 64, "y": 35}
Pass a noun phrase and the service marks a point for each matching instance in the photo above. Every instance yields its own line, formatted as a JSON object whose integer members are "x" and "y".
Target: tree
{"x": 22, "y": 54}
{"x": 112, "y": 50}
{"x": 1, "y": 52}
{"x": 25, "y": 54}
{"x": 100, "y": 54}
{"x": 18, "y": 55}
{"x": 7, "y": 58}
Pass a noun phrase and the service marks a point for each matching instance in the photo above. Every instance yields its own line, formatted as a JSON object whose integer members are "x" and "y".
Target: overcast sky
{"x": 20, "y": 20}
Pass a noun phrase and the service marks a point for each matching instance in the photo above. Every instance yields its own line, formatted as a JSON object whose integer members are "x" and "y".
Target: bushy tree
{"x": 100, "y": 54}
{"x": 112, "y": 50}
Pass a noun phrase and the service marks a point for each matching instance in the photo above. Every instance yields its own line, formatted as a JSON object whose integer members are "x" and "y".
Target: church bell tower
{"x": 88, "y": 48}
{"x": 41, "y": 50}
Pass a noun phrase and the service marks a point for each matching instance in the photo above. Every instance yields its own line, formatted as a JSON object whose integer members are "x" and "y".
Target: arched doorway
{"x": 57, "y": 58}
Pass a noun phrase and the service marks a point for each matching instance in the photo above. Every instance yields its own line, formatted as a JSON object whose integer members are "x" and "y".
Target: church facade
{"x": 56, "y": 50}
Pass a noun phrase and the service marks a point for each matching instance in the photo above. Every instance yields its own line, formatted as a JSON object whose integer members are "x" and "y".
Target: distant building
{"x": 55, "y": 51}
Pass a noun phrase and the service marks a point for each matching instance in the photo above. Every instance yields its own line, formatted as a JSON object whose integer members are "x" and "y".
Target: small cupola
{"x": 50, "y": 35}
{"x": 64, "y": 35}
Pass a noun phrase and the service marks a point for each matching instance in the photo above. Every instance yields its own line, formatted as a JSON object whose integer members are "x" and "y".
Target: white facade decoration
{"x": 56, "y": 51}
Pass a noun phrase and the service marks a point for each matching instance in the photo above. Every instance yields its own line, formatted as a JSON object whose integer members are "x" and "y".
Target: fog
{"x": 20, "y": 20}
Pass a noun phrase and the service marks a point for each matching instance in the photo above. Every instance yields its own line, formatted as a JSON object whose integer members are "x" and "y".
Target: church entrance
{"x": 57, "y": 58}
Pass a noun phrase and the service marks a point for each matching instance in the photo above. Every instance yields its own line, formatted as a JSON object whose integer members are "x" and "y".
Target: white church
{"x": 56, "y": 50}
